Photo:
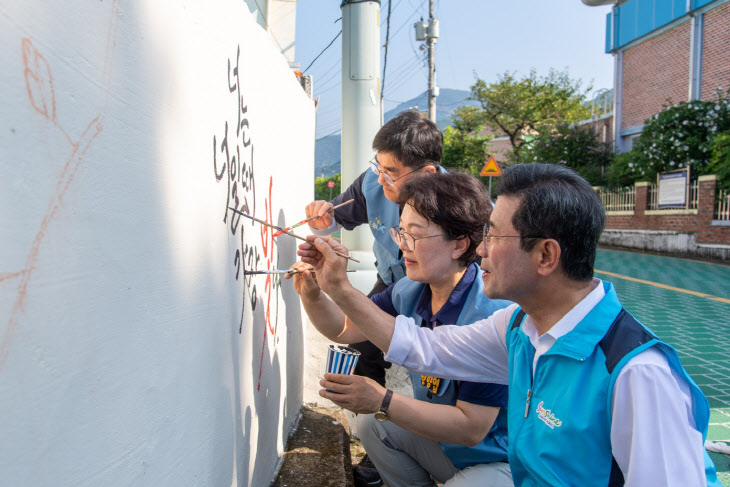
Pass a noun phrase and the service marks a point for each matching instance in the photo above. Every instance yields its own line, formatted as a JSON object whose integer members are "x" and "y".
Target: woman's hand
{"x": 354, "y": 392}
{"x": 305, "y": 284}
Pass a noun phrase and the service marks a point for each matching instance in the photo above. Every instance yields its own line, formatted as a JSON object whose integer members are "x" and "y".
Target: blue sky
{"x": 482, "y": 37}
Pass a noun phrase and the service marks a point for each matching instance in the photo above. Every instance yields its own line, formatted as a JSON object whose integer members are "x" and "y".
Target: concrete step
{"x": 318, "y": 453}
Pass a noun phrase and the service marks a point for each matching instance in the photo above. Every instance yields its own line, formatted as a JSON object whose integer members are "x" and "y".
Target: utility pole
{"x": 433, "y": 27}
{"x": 429, "y": 32}
{"x": 360, "y": 93}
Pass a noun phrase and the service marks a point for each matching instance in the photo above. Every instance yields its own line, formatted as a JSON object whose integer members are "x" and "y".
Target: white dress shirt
{"x": 653, "y": 433}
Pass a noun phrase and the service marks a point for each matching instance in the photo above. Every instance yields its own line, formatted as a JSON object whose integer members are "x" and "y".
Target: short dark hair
{"x": 557, "y": 203}
{"x": 456, "y": 202}
{"x": 413, "y": 139}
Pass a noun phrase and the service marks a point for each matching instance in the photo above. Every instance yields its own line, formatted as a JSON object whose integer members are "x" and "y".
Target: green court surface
{"x": 687, "y": 304}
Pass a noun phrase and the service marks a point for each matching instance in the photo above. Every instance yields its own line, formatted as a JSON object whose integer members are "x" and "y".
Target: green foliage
{"x": 720, "y": 160}
{"x": 577, "y": 147}
{"x": 621, "y": 171}
{"x": 464, "y": 148}
{"x": 533, "y": 104}
{"x": 322, "y": 192}
{"x": 681, "y": 134}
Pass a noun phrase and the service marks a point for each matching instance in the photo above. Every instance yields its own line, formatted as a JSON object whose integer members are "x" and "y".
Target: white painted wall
{"x": 121, "y": 273}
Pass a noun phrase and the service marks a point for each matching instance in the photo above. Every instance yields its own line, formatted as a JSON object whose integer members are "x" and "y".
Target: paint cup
{"x": 340, "y": 360}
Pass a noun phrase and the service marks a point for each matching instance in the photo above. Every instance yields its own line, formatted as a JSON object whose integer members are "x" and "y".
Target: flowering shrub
{"x": 575, "y": 146}
{"x": 680, "y": 134}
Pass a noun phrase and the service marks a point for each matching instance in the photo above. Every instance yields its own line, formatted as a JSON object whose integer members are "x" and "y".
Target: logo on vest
{"x": 376, "y": 224}
{"x": 547, "y": 416}
{"x": 431, "y": 383}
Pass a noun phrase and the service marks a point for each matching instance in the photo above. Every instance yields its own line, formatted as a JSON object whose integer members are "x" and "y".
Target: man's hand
{"x": 321, "y": 209}
{"x": 356, "y": 393}
{"x": 331, "y": 268}
{"x": 305, "y": 283}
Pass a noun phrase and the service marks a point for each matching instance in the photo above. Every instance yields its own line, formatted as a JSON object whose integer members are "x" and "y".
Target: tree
{"x": 464, "y": 148}
{"x": 575, "y": 146}
{"x": 533, "y": 104}
{"x": 322, "y": 192}
{"x": 720, "y": 160}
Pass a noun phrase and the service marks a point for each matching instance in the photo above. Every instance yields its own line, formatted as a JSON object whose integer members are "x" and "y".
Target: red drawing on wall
{"x": 39, "y": 86}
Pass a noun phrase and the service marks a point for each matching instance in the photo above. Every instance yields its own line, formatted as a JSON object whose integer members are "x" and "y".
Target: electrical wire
{"x": 337, "y": 63}
{"x": 405, "y": 74}
{"x": 385, "y": 62}
{"x": 415, "y": 12}
{"x": 324, "y": 86}
{"x": 332, "y": 133}
{"x": 322, "y": 51}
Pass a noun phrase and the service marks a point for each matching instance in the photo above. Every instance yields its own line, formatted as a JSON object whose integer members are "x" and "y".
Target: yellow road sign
{"x": 491, "y": 168}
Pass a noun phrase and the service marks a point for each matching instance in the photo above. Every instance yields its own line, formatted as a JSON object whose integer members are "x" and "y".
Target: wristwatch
{"x": 382, "y": 413}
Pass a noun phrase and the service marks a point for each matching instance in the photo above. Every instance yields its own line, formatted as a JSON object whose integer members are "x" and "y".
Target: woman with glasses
{"x": 451, "y": 432}
{"x": 407, "y": 144}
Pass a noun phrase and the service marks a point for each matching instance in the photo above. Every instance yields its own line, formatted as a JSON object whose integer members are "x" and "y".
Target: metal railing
{"x": 722, "y": 207}
{"x": 622, "y": 199}
{"x": 694, "y": 196}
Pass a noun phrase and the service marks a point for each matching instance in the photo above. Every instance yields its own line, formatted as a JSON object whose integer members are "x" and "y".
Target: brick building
{"x": 664, "y": 51}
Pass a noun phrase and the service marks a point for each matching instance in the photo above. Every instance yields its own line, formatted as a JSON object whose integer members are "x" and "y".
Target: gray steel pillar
{"x": 360, "y": 98}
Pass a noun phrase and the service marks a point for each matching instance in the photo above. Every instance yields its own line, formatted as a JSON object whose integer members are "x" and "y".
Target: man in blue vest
{"x": 405, "y": 145}
{"x": 595, "y": 398}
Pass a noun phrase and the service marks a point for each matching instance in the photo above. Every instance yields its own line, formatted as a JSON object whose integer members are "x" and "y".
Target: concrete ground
{"x": 686, "y": 303}
{"x": 318, "y": 453}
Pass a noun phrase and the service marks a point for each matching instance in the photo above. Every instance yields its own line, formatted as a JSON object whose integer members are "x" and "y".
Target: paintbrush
{"x": 284, "y": 231}
{"x": 285, "y": 271}
{"x": 307, "y": 220}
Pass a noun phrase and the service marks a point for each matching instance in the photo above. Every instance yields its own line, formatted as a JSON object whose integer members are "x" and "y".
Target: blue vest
{"x": 561, "y": 434}
{"x": 493, "y": 447}
{"x": 383, "y": 214}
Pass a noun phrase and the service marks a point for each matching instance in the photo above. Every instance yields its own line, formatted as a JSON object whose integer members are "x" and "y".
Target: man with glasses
{"x": 405, "y": 145}
{"x": 595, "y": 398}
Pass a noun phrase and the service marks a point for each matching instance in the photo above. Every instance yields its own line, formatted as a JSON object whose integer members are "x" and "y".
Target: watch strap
{"x": 386, "y": 401}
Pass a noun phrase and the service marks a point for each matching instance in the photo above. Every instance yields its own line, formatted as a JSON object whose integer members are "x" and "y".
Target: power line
{"x": 322, "y": 51}
{"x": 325, "y": 86}
{"x": 332, "y": 133}
{"x": 415, "y": 12}
{"x": 405, "y": 74}
{"x": 338, "y": 62}
{"x": 387, "y": 40}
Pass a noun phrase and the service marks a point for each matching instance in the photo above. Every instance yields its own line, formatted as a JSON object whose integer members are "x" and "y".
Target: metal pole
{"x": 431, "y": 40}
{"x": 360, "y": 98}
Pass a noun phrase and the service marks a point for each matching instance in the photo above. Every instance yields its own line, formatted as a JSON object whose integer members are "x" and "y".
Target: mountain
{"x": 446, "y": 102}
{"x": 327, "y": 150}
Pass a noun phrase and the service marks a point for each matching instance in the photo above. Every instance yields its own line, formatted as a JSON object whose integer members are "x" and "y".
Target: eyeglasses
{"x": 387, "y": 177}
{"x": 486, "y": 237}
{"x": 399, "y": 235}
